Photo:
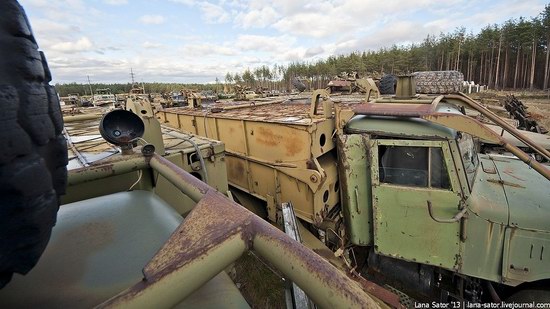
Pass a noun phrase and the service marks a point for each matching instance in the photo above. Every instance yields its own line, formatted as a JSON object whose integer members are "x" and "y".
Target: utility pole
{"x": 90, "y": 84}
{"x": 132, "y": 75}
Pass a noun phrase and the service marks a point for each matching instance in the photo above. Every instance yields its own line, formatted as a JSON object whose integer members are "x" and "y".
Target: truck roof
{"x": 406, "y": 126}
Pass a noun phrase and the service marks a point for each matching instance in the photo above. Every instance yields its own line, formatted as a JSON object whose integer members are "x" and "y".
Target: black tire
{"x": 530, "y": 295}
{"x": 298, "y": 84}
{"x": 388, "y": 83}
{"x": 438, "y": 82}
{"x": 33, "y": 152}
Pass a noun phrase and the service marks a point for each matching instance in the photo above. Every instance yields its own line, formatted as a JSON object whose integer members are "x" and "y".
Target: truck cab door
{"x": 406, "y": 176}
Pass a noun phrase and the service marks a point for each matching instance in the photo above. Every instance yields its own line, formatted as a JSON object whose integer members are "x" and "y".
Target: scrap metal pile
{"x": 519, "y": 112}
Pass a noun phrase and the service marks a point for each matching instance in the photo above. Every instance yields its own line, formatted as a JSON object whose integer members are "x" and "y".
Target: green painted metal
{"x": 401, "y": 127}
{"x": 527, "y": 193}
{"x": 355, "y": 186}
{"x": 504, "y": 193}
{"x": 481, "y": 251}
{"x": 403, "y": 227}
{"x": 97, "y": 250}
{"x": 526, "y": 255}
{"x": 487, "y": 199}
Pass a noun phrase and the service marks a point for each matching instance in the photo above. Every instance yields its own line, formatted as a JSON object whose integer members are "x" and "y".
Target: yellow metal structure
{"x": 277, "y": 152}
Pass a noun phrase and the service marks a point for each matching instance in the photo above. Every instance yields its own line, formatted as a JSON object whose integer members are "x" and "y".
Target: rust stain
{"x": 189, "y": 179}
{"x": 377, "y": 291}
{"x": 213, "y": 220}
{"x": 267, "y": 137}
{"x": 510, "y": 172}
{"x": 293, "y": 146}
{"x": 394, "y": 109}
{"x": 310, "y": 261}
{"x": 236, "y": 170}
{"x": 216, "y": 219}
{"x": 506, "y": 183}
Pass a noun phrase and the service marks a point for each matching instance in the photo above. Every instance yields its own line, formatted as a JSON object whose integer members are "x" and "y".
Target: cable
{"x": 140, "y": 172}
{"x": 197, "y": 150}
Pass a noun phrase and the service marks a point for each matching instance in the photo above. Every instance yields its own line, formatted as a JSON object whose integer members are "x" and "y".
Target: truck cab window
{"x": 468, "y": 153}
{"x": 413, "y": 166}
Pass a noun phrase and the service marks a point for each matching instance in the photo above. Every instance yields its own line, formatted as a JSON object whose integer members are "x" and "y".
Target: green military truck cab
{"x": 419, "y": 191}
{"x": 406, "y": 186}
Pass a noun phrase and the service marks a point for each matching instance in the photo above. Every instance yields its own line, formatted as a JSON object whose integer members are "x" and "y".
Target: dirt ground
{"x": 538, "y": 102}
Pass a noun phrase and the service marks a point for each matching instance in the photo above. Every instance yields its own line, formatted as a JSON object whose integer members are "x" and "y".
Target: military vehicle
{"x": 134, "y": 226}
{"x": 404, "y": 188}
{"x": 104, "y": 97}
{"x": 244, "y": 93}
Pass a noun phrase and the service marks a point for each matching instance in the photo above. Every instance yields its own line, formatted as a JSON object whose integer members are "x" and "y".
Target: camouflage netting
{"x": 438, "y": 81}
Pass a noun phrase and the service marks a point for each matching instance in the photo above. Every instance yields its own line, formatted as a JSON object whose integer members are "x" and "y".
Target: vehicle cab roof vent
{"x": 406, "y": 87}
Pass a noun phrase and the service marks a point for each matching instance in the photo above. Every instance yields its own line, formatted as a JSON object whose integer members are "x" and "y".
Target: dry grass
{"x": 258, "y": 284}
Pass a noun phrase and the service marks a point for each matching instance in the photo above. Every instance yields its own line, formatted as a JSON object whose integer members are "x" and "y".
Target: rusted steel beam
{"x": 119, "y": 166}
{"x": 393, "y": 109}
{"x": 82, "y": 117}
{"x": 381, "y": 293}
{"x": 496, "y": 119}
{"x": 472, "y": 126}
{"x": 216, "y": 233}
{"x": 251, "y": 104}
{"x": 324, "y": 284}
{"x": 187, "y": 183}
{"x": 408, "y": 108}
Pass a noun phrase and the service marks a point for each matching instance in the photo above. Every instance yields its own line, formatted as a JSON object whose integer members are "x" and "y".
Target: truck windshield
{"x": 468, "y": 152}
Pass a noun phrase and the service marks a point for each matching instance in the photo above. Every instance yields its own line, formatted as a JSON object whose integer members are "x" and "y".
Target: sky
{"x": 187, "y": 41}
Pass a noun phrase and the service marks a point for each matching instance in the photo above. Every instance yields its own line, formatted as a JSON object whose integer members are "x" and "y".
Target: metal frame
{"x": 427, "y": 110}
{"x": 214, "y": 234}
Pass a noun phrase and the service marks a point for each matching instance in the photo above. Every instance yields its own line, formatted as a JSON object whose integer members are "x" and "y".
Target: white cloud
{"x": 314, "y": 51}
{"x": 252, "y": 32}
{"x": 47, "y": 26}
{"x": 148, "y": 44}
{"x": 273, "y": 44}
{"x": 187, "y": 2}
{"x": 206, "y": 49}
{"x": 257, "y": 18}
{"x": 213, "y": 13}
{"x": 116, "y": 2}
{"x": 152, "y": 19}
{"x": 81, "y": 45}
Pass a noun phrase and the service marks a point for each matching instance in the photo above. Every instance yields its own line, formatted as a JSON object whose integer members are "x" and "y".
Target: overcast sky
{"x": 197, "y": 41}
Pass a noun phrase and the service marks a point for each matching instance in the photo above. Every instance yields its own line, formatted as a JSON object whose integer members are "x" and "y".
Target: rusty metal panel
{"x": 216, "y": 233}
{"x": 238, "y": 172}
{"x": 394, "y": 109}
{"x": 273, "y": 150}
{"x": 232, "y": 133}
{"x": 312, "y": 200}
{"x": 171, "y": 118}
{"x": 274, "y": 141}
{"x": 355, "y": 183}
{"x": 527, "y": 194}
{"x": 277, "y": 143}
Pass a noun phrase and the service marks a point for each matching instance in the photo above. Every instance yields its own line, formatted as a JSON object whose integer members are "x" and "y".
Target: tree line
{"x": 513, "y": 55}
{"x": 509, "y": 56}
{"x": 118, "y": 88}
